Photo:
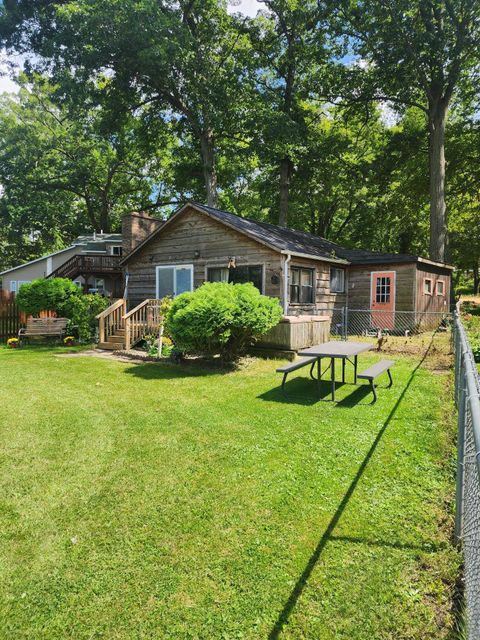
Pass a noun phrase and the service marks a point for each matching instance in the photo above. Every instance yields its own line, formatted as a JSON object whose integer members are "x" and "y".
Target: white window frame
{"x": 442, "y": 294}
{"x": 20, "y": 282}
{"x": 343, "y": 281}
{"x": 174, "y": 267}
{"x": 13, "y": 286}
{"x": 116, "y": 246}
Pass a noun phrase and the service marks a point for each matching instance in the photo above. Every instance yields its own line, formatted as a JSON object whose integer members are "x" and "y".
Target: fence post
{"x": 345, "y": 324}
{"x": 462, "y": 406}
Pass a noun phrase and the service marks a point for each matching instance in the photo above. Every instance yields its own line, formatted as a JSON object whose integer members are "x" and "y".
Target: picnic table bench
{"x": 50, "y": 327}
{"x": 376, "y": 370}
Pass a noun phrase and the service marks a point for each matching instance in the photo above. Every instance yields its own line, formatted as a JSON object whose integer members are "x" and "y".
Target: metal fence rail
{"x": 467, "y": 517}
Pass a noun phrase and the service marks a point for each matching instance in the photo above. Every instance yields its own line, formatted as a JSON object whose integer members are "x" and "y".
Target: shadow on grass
{"x": 304, "y": 391}
{"x": 172, "y": 371}
{"x": 327, "y": 535}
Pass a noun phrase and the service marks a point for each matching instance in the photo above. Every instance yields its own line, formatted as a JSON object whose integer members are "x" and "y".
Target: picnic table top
{"x": 337, "y": 349}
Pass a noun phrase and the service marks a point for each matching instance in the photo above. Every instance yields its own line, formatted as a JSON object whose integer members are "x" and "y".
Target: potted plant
{"x": 13, "y": 343}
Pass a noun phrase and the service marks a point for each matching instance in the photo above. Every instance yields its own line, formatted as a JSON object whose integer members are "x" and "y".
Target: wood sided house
{"x": 309, "y": 275}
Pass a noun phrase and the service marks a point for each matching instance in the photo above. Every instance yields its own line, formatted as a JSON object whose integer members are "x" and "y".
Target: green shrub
{"x": 221, "y": 318}
{"x": 49, "y": 294}
{"x": 81, "y": 311}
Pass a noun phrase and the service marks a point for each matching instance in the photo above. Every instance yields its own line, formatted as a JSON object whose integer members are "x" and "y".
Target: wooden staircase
{"x": 119, "y": 330}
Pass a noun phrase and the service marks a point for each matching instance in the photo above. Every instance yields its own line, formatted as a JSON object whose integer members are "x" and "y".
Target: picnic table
{"x": 345, "y": 351}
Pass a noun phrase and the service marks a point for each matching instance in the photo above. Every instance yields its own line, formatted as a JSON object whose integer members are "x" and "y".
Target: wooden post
{"x": 101, "y": 329}
{"x": 128, "y": 340}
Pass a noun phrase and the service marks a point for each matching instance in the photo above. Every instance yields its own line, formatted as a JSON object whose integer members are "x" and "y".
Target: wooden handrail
{"x": 110, "y": 320}
{"x": 112, "y": 307}
{"x": 139, "y": 321}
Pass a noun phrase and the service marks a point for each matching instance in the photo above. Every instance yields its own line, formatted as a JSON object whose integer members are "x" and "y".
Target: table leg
{"x": 355, "y": 360}
{"x": 343, "y": 370}
{"x": 319, "y": 374}
{"x": 333, "y": 379}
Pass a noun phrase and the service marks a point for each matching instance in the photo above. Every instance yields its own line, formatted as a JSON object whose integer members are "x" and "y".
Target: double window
{"x": 237, "y": 275}
{"x": 302, "y": 285}
{"x": 337, "y": 280}
{"x": 116, "y": 250}
{"x": 172, "y": 280}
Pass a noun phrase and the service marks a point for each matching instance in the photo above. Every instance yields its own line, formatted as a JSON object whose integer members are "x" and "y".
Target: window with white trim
{"x": 172, "y": 280}
{"x": 440, "y": 287}
{"x": 337, "y": 280}
{"x": 21, "y": 282}
{"x": 13, "y": 286}
{"x": 301, "y": 285}
{"x": 116, "y": 250}
{"x": 427, "y": 286}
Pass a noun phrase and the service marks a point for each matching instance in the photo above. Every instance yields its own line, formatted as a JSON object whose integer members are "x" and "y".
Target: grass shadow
{"x": 299, "y": 390}
{"x": 327, "y": 535}
{"x": 172, "y": 371}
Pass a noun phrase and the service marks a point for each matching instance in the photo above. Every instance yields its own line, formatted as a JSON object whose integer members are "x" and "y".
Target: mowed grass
{"x": 162, "y": 501}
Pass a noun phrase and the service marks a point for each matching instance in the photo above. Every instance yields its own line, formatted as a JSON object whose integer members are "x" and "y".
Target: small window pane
{"x": 13, "y": 286}
{"x": 337, "y": 280}
{"x": 184, "y": 280}
{"x": 440, "y": 288}
{"x": 427, "y": 286}
{"x": 247, "y": 273}
{"x": 301, "y": 285}
{"x": 165, "y": 282}
{"x": 217, "y": 274}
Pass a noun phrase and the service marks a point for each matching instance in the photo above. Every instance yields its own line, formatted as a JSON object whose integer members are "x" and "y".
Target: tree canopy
{"x": 328, "y": 117}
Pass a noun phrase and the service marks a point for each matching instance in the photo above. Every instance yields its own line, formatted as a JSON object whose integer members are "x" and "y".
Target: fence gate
{"x": 10, "y": 316}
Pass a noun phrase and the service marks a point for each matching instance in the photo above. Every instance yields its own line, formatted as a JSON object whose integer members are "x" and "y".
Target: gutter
{"x": 308, "y": 256}
{"x": 285, "y": 282}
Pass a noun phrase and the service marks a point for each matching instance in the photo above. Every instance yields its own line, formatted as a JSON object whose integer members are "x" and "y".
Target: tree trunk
{"x": 476, "y": 279}
{"x": 207, "y": 148}
{"x": 436, "y": 150}
{"x": 285, "y": 174}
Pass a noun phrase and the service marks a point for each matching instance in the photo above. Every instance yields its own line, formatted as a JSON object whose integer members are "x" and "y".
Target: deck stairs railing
{"x": 119, "y": 329}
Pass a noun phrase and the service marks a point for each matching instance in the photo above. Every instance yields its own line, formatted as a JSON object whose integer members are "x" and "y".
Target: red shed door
{"x": 383, "y": 299}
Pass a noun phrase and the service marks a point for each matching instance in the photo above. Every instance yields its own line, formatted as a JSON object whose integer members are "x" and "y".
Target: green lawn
{"x": 162, "y": 501}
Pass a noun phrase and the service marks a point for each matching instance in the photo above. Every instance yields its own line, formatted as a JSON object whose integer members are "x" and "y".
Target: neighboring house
{"x": 199, "y": 244}
{"x": 92, "y": 261}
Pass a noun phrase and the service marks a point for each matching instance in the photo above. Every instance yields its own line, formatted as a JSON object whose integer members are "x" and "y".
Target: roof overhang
{"x": 436, "y": 264}
{"x": 309, "y": 256}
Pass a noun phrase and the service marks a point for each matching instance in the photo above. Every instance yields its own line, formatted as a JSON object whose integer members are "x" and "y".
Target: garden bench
{"x": 49, "y": 327}
{"x": 298, "y": 364}
{"x": 376, "y": 370}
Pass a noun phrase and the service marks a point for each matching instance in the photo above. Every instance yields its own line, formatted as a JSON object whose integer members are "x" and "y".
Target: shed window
{"x": 301, "y": 285}
{"x": 427, "y": 286}
{"x": 337, "y": 280}
{"x": 237, "y": 275}
{"x": 440, "y": 288}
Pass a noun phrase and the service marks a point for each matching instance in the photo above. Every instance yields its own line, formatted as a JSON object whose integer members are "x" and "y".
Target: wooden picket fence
{"x": 11, "y": 318}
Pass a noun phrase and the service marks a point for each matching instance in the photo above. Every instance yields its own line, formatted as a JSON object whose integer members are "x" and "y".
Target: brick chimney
{"x": 137, "y": 226}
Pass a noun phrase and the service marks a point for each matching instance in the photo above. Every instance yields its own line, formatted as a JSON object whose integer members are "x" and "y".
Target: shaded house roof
{"x": 289, "y": 240}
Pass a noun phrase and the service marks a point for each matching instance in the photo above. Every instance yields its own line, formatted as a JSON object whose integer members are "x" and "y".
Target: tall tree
{"x": 63, "y": 171}
{"x": 184, "y": 58}
{"x": 290, "y": 49}
{"x": 417, "y": 52}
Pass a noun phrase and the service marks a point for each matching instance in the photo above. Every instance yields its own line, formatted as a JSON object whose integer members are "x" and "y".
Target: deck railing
{"x": 143, "y": 319}
{"x": 84, "y": 264}
{"x": 112, "y": 319}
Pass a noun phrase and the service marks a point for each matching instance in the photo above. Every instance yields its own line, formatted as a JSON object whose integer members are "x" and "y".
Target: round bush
{"x": 46, "y": 295}
{"x": 221, "y": 318}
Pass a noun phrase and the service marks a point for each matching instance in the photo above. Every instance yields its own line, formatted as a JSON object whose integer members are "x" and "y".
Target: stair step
{"x": 120, "y": 332}
{"x": 110, "y": 346}
{"x": 116, "y": 338}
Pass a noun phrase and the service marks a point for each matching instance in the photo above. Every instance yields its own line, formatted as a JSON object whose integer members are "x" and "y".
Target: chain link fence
{"x": 467, "y": 517}
{"x": 367, "y": 322}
